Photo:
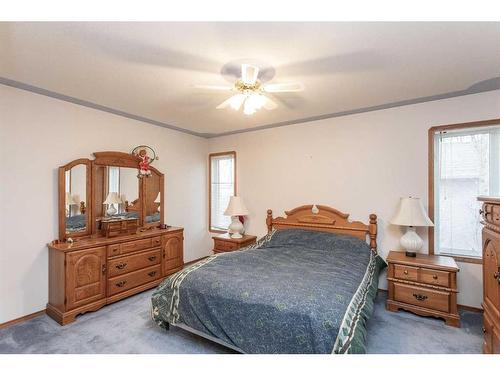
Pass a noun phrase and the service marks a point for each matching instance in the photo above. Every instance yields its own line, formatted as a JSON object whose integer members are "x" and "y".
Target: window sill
{"x": 217, "y": 231}
{"x": 463, "y": 258}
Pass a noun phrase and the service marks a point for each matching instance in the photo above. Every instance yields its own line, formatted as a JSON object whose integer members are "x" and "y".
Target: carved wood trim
{"x": 326, "y": 219}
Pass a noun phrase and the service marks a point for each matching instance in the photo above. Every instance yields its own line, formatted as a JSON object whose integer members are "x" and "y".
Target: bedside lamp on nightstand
{"x": 411, "y": 214}
{"x": 235, "y": 209}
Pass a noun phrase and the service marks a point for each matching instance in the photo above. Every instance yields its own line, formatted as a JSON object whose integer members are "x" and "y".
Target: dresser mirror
{"x": 116, "y": 192}
{"x": 74, "y": 196}
{"x": 107, "y": 189}
{"x": 153, "y": 199}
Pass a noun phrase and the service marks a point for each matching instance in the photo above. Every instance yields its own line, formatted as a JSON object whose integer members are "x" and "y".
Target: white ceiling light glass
{"x": 251, "y": 93}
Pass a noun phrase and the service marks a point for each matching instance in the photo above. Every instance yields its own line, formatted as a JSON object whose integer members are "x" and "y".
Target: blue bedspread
{"x": 296, "y": 291}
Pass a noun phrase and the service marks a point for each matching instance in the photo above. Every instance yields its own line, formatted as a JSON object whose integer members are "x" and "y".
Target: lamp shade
{"x": 236, "y": 207}
{"x": 411, "y": 213}
{"x": 157, "y": 200}
{"x": 112, "y": 198}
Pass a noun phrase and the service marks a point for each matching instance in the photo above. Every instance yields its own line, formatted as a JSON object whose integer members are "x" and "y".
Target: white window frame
{"x": 210, "y": 158}
{"x": 455, "y": 129}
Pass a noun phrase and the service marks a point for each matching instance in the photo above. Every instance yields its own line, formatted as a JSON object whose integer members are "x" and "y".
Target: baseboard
{"x": 21, "y": 319}
{"x": 460, "y": 307}
{"x": 470, "y": 308}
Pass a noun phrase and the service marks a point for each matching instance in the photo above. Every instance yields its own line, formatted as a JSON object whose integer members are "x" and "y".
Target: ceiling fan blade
{"x": 249, "y": 74}
{"x": 226, "y": 103}
{"x": 214, "y": 87}
{"x": 269, "y": 104}
{"x": 284, "y": 87}
{"x": 234, "y": 102}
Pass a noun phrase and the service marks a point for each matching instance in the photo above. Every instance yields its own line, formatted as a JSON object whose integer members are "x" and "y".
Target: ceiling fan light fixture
{"x": 236, "y": 101}
{"x": 248, "y": 108}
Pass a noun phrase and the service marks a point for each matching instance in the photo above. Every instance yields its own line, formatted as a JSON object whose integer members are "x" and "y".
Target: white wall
{"x": 359, "y": 164}
{"x": 38, "y": 134}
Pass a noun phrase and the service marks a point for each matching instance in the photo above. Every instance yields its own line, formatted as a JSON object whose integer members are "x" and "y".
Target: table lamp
{"x": 111, "y": 199}
{"x": 236, "y": 208}
{"x": 411, "y": 214}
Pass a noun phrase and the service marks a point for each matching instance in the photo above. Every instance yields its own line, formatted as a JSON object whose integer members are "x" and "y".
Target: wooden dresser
{"x": 93, "y": 272}
{"x": 490, "y": 215}
{"x": 425, "y": 285}
{"x": 223, "y": 243}
{"x": 119, "y": 244}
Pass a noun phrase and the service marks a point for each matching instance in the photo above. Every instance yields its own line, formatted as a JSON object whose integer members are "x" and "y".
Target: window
{"x": 466, "y": 164}
{"x": 222, "y": 186}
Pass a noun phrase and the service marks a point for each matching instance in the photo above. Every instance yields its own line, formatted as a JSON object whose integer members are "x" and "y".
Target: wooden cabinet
{"x": 223, "y": 243}
{"x": 172, "y": 253}
{"x": 85, "y": 276}
{"x": 425, "y": 285}
{"x": 490, "y": 215}
{"x": 93, "y": 272}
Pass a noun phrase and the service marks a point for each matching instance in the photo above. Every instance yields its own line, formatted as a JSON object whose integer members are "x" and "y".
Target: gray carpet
{"x": 125, "y": 327}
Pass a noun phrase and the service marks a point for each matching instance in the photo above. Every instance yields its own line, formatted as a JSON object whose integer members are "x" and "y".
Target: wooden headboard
{"x": 325, "y": 219}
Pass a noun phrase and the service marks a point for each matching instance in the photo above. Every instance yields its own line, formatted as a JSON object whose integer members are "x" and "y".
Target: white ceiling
{"x": 149, "y": 69}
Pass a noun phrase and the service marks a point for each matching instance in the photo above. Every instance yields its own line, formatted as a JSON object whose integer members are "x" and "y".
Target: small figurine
{"x": 144, "y": 170}
{"x": 144, "y": 164}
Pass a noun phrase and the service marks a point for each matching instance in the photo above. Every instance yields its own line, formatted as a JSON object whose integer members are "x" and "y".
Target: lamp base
{"x": 236, "y": 228}
{"x": 411, "y": 242}
{"x": 111, "y": 210}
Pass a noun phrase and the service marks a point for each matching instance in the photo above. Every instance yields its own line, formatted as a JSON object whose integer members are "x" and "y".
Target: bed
{"x": 308, "y": 286}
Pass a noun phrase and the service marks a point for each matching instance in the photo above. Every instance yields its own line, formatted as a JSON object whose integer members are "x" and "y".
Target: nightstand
{"x": 425, "y": 285}
{"x": 223, "y": 243}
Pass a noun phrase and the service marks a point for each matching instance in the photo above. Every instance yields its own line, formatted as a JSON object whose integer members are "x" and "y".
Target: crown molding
{"x": 482, "y": 86}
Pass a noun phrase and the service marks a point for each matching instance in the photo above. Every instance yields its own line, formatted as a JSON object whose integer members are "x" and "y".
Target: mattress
{"x": 295, "y": 291}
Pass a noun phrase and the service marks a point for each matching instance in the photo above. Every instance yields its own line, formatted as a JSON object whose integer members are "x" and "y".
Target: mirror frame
{"x": 62, "y": 198}
{"x": 107, "y": 158}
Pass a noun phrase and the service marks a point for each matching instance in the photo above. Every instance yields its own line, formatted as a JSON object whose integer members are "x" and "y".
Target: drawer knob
{"x": 419, "y": 297}
{"x": 484, "y": 330}
{"x": 152, "y": 273}
{"x": 405, "y": 272}
{"x": 152, "y": 258}
{"x": 121, "y": 284}
{"x": 121, "y": 266}
{"x": 435, "y": 277}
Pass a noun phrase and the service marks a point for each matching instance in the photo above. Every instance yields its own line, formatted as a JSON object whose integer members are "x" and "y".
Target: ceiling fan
{"x": 250, "y": 92}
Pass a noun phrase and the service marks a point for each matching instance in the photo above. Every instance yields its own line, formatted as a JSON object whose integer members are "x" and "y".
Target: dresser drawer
{"x": 131, "y": 263}
{"x": 131, "y": 280}
{"x": 434, "y": 277}
{"x": 113, "y": 250}
{"x": 137, "y": 245}
{"x": 423, "y": 297}
{"x": 405, "y": 272}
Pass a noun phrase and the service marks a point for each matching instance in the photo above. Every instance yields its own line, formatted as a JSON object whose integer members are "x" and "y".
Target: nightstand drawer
{"x": 423, "y": 297}
{"x": 434, "y": 277}
{"x": 405, "y": 272}
{"x": 225, "y": 245}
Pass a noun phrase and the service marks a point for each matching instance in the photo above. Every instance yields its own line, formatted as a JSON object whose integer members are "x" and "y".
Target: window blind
{"x": 222, "y": 188}
{"x": 466, "y": 165}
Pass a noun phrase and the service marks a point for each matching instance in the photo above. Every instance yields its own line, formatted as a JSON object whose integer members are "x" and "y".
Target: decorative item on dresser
{"x": 490, "y": 215}
{"x": 100, "y": 259}
{"x": 224, "y": 243}
{"x": 425, "y": 285}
